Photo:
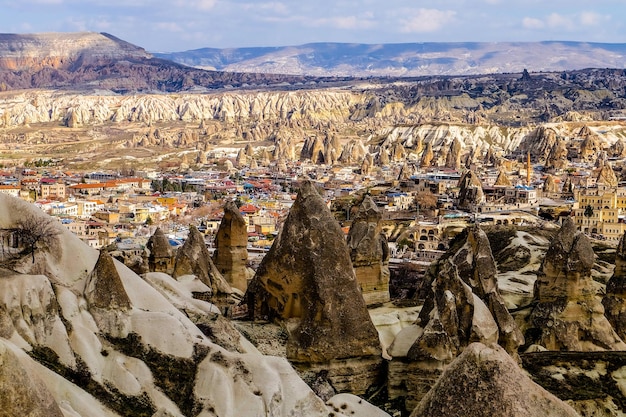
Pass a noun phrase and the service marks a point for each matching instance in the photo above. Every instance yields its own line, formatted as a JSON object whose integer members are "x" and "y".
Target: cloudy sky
{"x": 178, "y": 25}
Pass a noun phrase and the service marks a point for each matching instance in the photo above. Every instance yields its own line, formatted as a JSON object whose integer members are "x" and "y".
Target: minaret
{"x": 528, "y": 168}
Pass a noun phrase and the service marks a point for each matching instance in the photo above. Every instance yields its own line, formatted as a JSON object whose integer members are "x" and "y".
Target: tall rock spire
{"x": 231, "y": 247}
{"x": 307, "y": 276}
{"x": 370, "y": 253}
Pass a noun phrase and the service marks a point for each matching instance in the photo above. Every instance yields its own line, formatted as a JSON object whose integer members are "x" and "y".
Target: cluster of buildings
{"x": 103, "y": 207}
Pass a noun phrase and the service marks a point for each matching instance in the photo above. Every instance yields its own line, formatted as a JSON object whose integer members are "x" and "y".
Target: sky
{"x": 180, "y": 25}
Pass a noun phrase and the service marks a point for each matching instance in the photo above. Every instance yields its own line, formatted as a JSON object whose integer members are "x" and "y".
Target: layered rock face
{"x": 462, "y": 304}
{"x": 369, "y": 253}
{"x": 62, "y": 50}
{"x": 614, "y": 301}
{"x": 569, "y": 315}
{"x": 307, "y": 275}
{"x": 231, "y": 247}
{"x": 483, "y": 382}
{"x": 193, "y": 258}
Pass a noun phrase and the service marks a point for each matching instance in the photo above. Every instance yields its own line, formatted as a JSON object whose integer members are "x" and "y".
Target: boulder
{"x": 369, "y": 253}
{"x": 307, "y": 276}
{"x": 486, "y": 381}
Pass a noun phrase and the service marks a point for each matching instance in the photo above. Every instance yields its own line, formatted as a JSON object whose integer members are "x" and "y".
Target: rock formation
{"x": 503, "y": 179}
{"x": 568, "y": 314}
{"x": 550, "y": 185}
{"x": 160, "y": 253}
{"x": 462, "y": 304}
{"x": 606, "y": 176}
{"x": 427, "y": 156}
{"x": 470, "y": 191}
{"x": 231, "y": 247}
{"x": 459, "y": 286}
{"x": 614, "y": 301}
{"x": 193, "y": 258}
{"x": 58, "y": 359}
{"x": 483, "y": 382}
{"x": 106, "y": 297}
{"x": 22, "y": 392}
{"x": 307, "y": 276}
{"x": 369, "y": 253}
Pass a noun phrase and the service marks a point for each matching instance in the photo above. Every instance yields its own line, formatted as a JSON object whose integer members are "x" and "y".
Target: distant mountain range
{"x": 408, "y": 59}
{"x": 100, "y": 61}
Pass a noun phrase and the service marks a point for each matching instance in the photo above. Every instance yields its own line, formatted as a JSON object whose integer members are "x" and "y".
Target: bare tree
{"x": 36, "y": 232}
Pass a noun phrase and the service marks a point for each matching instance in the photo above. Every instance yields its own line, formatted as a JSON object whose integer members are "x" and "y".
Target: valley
{"x": 178, "y": 242}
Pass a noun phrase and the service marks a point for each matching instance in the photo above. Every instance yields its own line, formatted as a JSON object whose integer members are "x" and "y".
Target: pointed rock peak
{"x": 193, "y": 258}
{"x": 607, "y": 176}
{"x": 158, "y": 245}
{"x": 466, "y": 275}
{"x": 470, "y": 179}
{"x": 585, "y": 132}
{"x": 232, "y": 212}
{"x": 104, "y": 288}
{"x": 307, "y": 275}
{"x": 550, "y": 185}
{"x": 488, "y": 372}
{"x": 570, "y": 251}
{"x": 368, "y": 210}
{"x": 503, "y": 179}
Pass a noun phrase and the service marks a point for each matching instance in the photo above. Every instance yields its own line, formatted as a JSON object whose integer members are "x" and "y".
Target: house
{"x": 13, "y": 190}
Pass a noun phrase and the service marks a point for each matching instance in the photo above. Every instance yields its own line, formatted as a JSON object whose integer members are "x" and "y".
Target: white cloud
{"x": 426, "y": 20}
{"x": 532, "y": 23}
{"x": 196, "y": 4}
{"x": 169, "y": 26}
{"x": 592, "y": 18}
{"x": 557, "y": 21}
{"x": 364, "y": 21}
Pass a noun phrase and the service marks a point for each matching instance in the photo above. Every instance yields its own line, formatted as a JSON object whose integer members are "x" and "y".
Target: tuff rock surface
{"x": 307, "y": 275}
{"x": 568, "y": 314}
{"x": 369, "y": 253}
{"x": 231, "y": 247}
{"x": 162, "y": 364}
{"x": 470, "y": 190}
{"x": 462, "y": 304}
{"x": 193, "y": 258}
{"x": 614, "y": 301}
{"x": 160, "y": 252}
{"x": 484, "y": 381}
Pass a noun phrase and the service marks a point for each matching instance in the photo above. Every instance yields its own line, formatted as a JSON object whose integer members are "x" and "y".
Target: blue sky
{"x": 178, "y": 25}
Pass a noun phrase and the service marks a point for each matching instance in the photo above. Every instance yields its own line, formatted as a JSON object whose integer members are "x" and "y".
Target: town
{"x": 422, "y": 207}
